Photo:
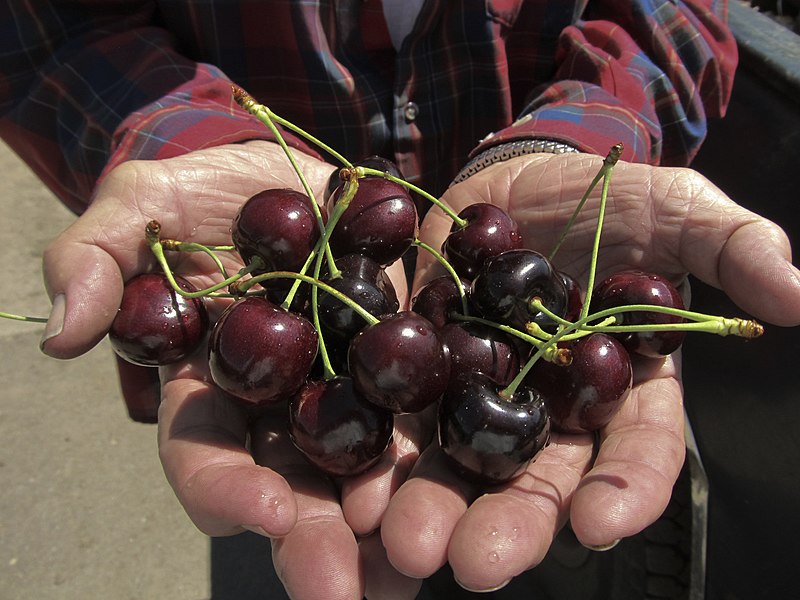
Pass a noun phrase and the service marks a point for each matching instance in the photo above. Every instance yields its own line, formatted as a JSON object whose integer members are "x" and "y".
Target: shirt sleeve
{"x": 644, "y": 73}
{"x": 85, "y": 86}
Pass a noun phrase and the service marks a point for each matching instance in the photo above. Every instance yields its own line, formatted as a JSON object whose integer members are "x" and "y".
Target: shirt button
{"x": 410, "y": 111}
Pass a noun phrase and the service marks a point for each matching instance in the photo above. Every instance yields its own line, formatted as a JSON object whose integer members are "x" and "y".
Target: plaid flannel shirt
{"x": 88, "y": 84}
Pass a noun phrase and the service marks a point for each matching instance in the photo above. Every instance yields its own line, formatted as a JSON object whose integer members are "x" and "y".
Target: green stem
{"x": 13, "y": 317}
{"x": 364, "y": 314}
{"x": 318, "y": 143}
{"x": 606, "y": 170}
{"x": 444, "y": 262}
{"x": 178, "y": 246}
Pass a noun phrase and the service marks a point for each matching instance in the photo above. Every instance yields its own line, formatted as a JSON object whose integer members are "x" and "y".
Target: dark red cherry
{"x": 259, "y": 352}
{"x": 574, "y": 296}
{"x": 586, "y": 394}
{"x": 378, "y": 163}
{"x": 337, "y": 429}
{"x": 399, "y": 363}
{"x": 639, "y": 287}
{"x": 504, "y": 287}
{"x": 488, "y": 232}
{"x": 439, "y": 299}
{"x": 477, "y": 347}
{"x": 380, "y": 222}
{"x": 365, "y": 282}
{"x": 489, "y": 439}
{"x": 279, "y": 226}
{"x": 154, "y": 324}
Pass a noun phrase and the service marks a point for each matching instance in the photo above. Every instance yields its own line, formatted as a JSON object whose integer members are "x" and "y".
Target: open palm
{"x": 668, "y": 221}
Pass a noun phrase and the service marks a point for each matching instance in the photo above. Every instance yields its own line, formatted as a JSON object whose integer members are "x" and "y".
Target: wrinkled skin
{"x": 382, "y": 531}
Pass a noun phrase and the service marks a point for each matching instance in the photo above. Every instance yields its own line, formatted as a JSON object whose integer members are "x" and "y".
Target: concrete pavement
{"x": 85, "y": 511}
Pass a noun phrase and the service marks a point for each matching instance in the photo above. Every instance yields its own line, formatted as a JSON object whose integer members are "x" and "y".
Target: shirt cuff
{"x": 199, "y": 114}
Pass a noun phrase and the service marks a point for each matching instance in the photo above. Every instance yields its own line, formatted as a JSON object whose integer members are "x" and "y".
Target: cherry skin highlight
{"x": 155, "y": 325}
{"x": 586, "y": 394}
{"x": 489, "y": 231}
{"x": 488, "y": 439}
{"x": 336, "y": 429}
{"x": 380, "y": 222}
{"x": 259, "y": 352}
{"x": 400, "y": 363}
{"x": 639, "y": 287}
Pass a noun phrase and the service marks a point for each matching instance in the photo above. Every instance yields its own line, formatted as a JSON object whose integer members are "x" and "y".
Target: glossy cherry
{"x": 640, "y": 287}
{"x": 574, "y": 296}
{"x": 400, "y": 363}
{"x": 259, "y": 352}
{"x": 365, "y": 282}
{"x": 488, "y": 232}
{"x": 154, "y": 324}
{"x": 477, "y": 347}
{"x": 489, "y": 439}
{"x": 586, "y": 394}
{"x": 380, "y": 222}
{"x": 506, "y": 284}
{"x": 439, "y": 299}
{"x": 277, "y": 225}
{"x": 379, "y": 163}
{"x": 338, "y": 430}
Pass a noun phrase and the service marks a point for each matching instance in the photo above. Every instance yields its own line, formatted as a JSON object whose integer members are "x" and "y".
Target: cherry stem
{"x": 608, "y": 167}
{"x": 533, "y": 341}
{"x": 722, "y": 326}
{"x": 444, "y": 262}
{"x": 243, "y": 286}
{"x": 551, "y": 347}
{"x": 13, "y": 317}
{"x": 152, "y": 235}
{"x": 461, "y": 223}
{"x": 178, "y": 246}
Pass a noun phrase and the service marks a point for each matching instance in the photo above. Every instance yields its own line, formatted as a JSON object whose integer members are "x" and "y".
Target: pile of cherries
{"x": 496, "y": 347}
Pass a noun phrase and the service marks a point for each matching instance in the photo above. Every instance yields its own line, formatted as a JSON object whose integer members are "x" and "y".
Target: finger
{"x": 640, "y": 456}
{"x": 422, "y": 514}
{"x": 202, "y": 449}
{"x": 511, "y": 529}
{"x": 365, "y": 497}
{"x": 318, "y": 557}
{"x": 383, "y": 581}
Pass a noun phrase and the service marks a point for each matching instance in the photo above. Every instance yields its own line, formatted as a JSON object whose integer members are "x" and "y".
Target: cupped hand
{"x": 319, "y": 526}
{"x": 665, "y": 220}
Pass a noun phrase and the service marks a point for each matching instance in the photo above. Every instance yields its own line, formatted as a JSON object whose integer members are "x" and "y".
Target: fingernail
{"x": 256, "y": 529}
{"x": 602, "y": 547}
{"x": 484, "y": 590}
{"x": 55, "y": 322}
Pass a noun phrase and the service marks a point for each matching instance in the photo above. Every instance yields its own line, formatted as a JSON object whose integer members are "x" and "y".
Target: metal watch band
{"x": 503, "y": 152}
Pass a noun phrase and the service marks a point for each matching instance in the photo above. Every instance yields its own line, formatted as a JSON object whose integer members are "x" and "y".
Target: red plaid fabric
{"x": 88, "y": 84}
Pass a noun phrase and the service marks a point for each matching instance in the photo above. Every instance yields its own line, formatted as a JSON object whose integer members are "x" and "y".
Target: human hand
{"x": 203, "y": 436}
{"x": 665, "y": 220}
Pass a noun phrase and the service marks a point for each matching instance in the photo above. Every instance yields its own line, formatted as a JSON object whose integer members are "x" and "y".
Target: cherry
{"x": 488, "y": 232}
{"x": 336, "y": 428}
{"x": 259, "y": 352}
{"x": 378, "y": 163}
{"x": 504, "y": 287}
{"x": 489, "y": 439}
{"x": 154, "y": 324}
{"x": 381, "y": 221}
{"x": 639, "y": 287}
{"x": 478, "y": 347}
{"x": 400, "y": 363}
{"x": 366, "y": 283}
{"x": 277, "y": 225}
{"x": 585, "y": 395}
{"x": 439, "y": 299}
{"x": 574, "y": 296}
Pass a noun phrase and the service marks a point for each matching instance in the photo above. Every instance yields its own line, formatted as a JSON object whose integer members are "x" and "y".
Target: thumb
{"x": 85, "y": 285}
